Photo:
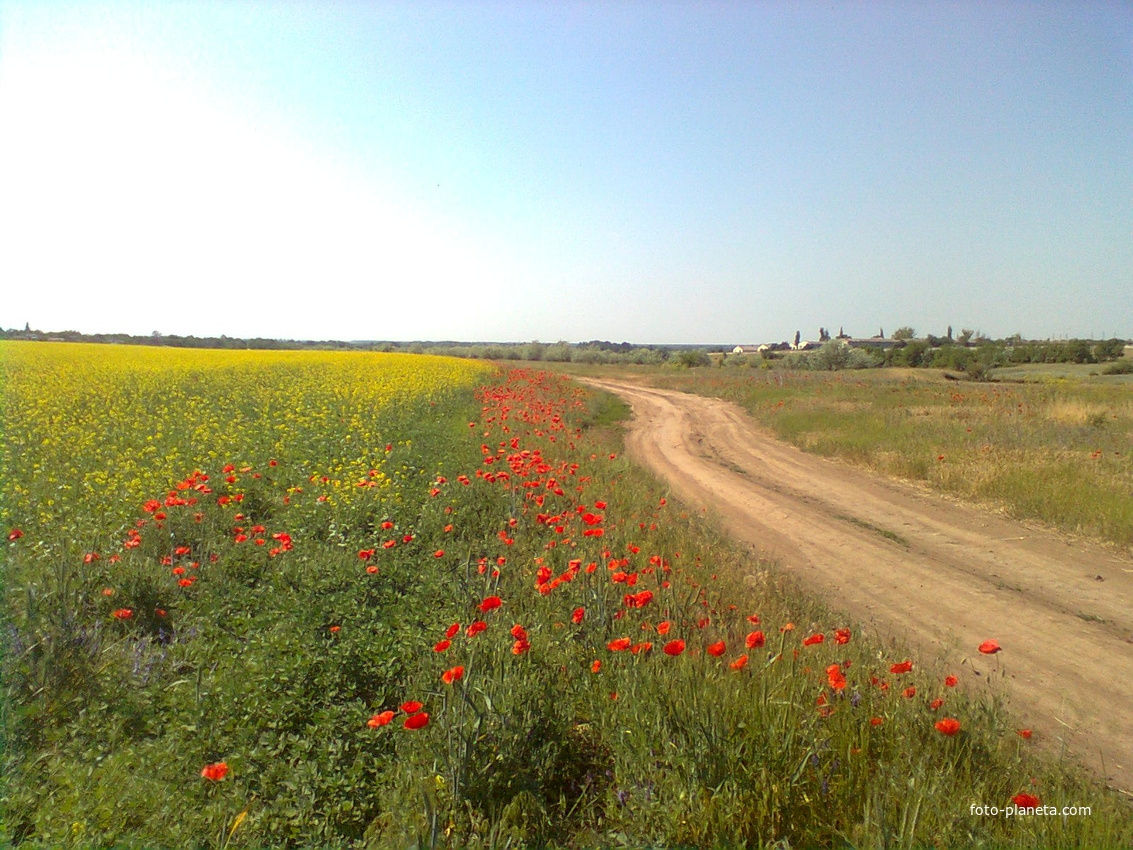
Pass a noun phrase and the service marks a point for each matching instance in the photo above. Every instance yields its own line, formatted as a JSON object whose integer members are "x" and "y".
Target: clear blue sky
{"x": 682, "y": 172}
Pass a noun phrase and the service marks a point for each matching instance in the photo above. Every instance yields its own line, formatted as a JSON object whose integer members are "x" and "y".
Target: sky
{"x": 649, "y": 172}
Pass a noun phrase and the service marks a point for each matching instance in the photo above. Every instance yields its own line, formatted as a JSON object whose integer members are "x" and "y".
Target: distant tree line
{"x": 968, "y": 352}
{"x": 594, "y": 351}
{"x": 170, "y": 340}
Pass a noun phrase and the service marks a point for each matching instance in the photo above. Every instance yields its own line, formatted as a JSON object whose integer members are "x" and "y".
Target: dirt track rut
{"x": 905, "y": 562}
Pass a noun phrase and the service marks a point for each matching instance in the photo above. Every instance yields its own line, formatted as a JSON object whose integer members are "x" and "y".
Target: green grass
{"x": 274, "y": 664}
{"x": 1117, "y": 372}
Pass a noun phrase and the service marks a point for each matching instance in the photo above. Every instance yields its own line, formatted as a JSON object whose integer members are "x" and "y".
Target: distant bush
{"x": 589, "y": 354}
{"x": 1110, "y": 349}
{"x": 831, "y": 357}
{"x": 694, "y": 357}
{"x": 534, "y": 351}
{"x": 647, "y": 356}
{"x": 912, "y": 354}
{"x": 862, "y": 359}
{"x": 560, "y": 352}
{"x": 1121, "y": 367}
{"x": 796, "y": 360}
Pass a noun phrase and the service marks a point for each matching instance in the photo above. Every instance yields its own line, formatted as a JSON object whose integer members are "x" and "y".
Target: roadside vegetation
{"x": 349, "y": 601}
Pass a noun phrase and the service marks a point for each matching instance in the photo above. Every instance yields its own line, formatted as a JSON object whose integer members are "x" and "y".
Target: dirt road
{"x": 909, "y": 563}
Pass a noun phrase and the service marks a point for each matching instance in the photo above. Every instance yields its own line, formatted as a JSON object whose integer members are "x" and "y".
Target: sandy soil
{"x": 907, "y": 563}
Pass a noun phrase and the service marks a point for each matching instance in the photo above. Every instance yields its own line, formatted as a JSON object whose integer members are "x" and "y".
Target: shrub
{"x": 694, "y": 357}
{"x": 832, "y": 356}
{"x": 912, "y": 354}
{"x": 1110, "y": 349}
{"x": 1121, "y": 367}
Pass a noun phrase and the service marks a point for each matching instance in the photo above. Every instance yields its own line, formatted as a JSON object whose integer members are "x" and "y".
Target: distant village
{"x": 878, "y": 342}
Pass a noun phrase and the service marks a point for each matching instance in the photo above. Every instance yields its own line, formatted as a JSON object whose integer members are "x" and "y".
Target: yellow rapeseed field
{"x": 92, "y": 431}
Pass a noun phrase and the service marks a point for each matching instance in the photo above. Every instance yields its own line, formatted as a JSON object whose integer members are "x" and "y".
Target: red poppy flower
{"x": 754, "y": 640}
{"x": 451, "y": 631}
{"x": 372, "y": 569}
{"x": 596, "y": 666}
{"x": 417, "y": 721}
{"x": 835, "y": 677}
{"x": 936, "y": 703}
{"x": 754, "y": 619}
{"x": 990, "y": 647}
{"x": 639, "y": 600}
{"x": 902, "y": 667}
{"x": 674, "y": 647}
{"x": 476, "y": 628}
{"x": 123, "y": 614}
{"x": 910, "y": 692}
{"x": 380, "y": 719}
{"x": 215, "y": 771}
{"x": 490, "y": 603}
{"x": 518, "y": 632}
{"x": 411, "y": 707}
{"x": 875, "y": 721}
{"x": 577, "y": 616}
{"x": 520, "y": 646}
{"x": 440, "y": 553}
{"x": 454, "y": 674}
{"x": 663, "y": 627}
{"x": 15, "y": 534}
{"x": 1025, "y": 801}
{"x": 442, "y": 645}
{"x": 739, "y": 663}
{"x": 947, "y": 726}
{"x": 842, "y": 636}
{"x": 951, "y": 681}
{"x": 335, "y": 629}
{"x": 619, "y": 645}
{"x": 813, "y": 639}
{"x": 716, "y": 649}
{"x": 1024, "y": 733}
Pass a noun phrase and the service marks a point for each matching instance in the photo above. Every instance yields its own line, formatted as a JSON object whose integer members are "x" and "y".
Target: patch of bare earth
{"x": 908, "y": 563}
